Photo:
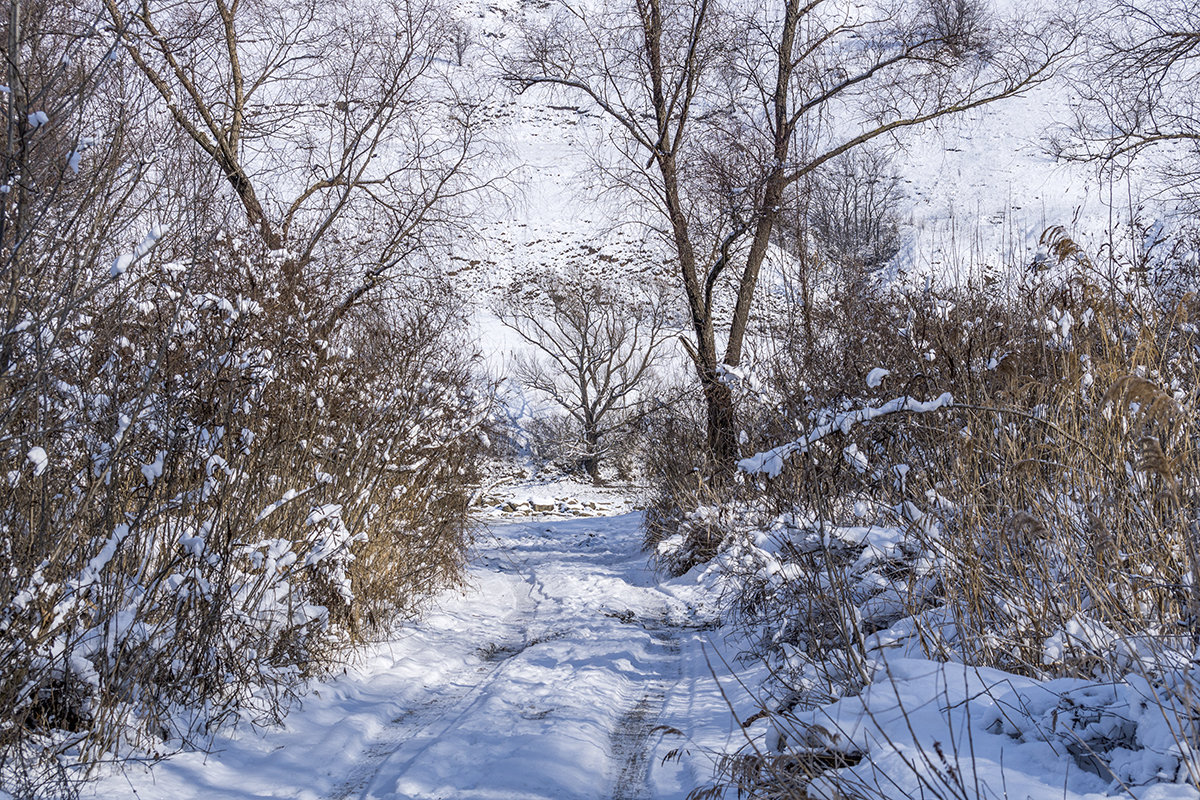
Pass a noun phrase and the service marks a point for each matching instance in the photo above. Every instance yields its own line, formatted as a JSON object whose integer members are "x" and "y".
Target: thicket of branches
{"x": 995, "y": 480}
{"x": 237, "y": 434}
{"x": 1001, "y": 474}
{"x": 1138, "y": 102}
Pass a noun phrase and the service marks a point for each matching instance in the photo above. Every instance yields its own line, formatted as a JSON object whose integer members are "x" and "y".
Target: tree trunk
{"x": 255, "y": 215}
{"x": 591, "y": 455}
{"x": 722, "y": 425}
{"x": 754, "y": 260}
{"x": 782, "y": 126}
{"x": 718, "y": 399}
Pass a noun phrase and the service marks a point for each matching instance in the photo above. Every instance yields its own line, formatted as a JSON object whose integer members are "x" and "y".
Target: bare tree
{"x": 723, "y": 109}
{"x": 1139, "y": 92}
{"x": 962, "y": 24}
{"x": 461, "y": 35}
{"x": 594, "y": 354}
{"x": 332, "y": 126}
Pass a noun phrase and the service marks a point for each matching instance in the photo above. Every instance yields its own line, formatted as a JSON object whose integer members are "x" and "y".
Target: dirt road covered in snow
{"x": 552, "y": 675}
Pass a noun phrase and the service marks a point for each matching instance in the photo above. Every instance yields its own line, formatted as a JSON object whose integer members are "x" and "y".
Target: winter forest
{"x": 600, "y": 399}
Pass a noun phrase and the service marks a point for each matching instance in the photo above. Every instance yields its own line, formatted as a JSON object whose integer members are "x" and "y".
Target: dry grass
{"x": 1061, "y": 481}
{"x": 1053, "y": 503}
{"x": 210, "y": 483}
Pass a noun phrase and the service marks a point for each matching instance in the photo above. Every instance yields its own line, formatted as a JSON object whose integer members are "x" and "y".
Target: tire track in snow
{"x": 632, "y": 737}
{"x": 421, "y": 722}
{"x": 403, "y": 727}
{"x": 590, "y": 620}
{"x": 441, "y": 716}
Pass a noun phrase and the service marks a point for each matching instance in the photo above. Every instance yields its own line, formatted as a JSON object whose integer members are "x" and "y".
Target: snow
{"x": 92, "y": 571}
{"x": 37, "y": 456}
{"x": 876, "y": 376}
{"x": 771, "y": 462}
{"x": 154, "y": 470}
{"x": 545, "y": 677}
{"x": 934, "y": 729}
{"x": 120, "y": 264}
{"x": 566, "y": 670}
{"x": 123, "y": 262}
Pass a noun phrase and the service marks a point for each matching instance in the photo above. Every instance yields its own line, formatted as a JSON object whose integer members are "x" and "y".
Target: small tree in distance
{"x": 594, "y": 352}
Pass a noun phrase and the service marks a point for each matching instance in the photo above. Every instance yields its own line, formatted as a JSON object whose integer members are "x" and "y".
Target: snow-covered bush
{"x": 1012, "y": 484}
{"x": 204, "y": 501}
{"x": 690, "y": 510}
{"x": 221, "y": 463}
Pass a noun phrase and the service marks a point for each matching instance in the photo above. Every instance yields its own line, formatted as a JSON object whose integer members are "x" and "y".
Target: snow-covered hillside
{"x": 977, "y": 189}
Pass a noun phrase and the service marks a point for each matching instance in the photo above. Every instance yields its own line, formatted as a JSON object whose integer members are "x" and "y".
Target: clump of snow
{"x": 154, "y": 470}
{"x": 37, "y": 456}
{"x": 856, "y": 458}
{"x": 772, "y": 462}
{"x": 123, "y": 262}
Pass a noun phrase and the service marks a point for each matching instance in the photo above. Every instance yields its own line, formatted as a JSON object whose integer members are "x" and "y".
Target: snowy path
{"x": 548, "y": 677}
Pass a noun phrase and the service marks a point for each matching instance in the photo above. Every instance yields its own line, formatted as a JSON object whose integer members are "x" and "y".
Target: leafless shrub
{"x": 251, "y": 496}
{"x": 213, "y": 481}
{"x": 553, "y": 441}
{"x": 461, "y": 36}
{"x": 687, "y": 516}
{"x": 853, "y": 211}
{"x": 963, "y": 26}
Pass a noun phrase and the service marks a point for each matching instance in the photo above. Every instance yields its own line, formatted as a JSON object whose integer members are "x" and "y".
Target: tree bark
{"x": 591, "y": 456}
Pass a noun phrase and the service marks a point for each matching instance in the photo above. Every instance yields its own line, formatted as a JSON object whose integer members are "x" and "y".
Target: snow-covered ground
{"x": 942, "y": 729}
{"x": 566, "y": 669}
{"x": 547, "y": 676}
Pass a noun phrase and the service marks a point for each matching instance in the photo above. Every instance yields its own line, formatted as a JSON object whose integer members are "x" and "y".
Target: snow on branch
{"x": 771, "y": 462}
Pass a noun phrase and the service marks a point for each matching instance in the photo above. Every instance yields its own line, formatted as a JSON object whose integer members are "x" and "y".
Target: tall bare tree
{"x": 335, "y": 128}
{"x": 1140, "y": 93}
{"x": 724, "y": 107}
